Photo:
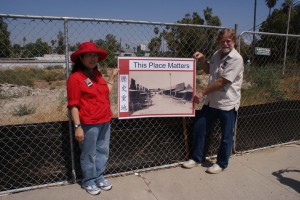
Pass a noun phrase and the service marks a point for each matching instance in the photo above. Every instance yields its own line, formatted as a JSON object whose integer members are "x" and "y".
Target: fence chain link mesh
{"x": 36, "y": 141}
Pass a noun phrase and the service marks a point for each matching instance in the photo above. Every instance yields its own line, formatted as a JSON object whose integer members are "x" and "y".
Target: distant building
{"x": 48, "y": 60}
{"x": 126, "y": 54}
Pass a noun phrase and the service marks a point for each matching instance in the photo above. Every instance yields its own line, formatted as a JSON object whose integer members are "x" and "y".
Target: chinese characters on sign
{"x": 156, "y": 87}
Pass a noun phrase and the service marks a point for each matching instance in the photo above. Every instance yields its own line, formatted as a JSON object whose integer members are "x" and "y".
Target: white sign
{"x": 149, "y": 87}
{"x": 262, "y": 51}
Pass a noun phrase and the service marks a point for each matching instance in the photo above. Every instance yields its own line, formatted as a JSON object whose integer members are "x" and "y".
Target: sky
{"x": 231, "y": 12}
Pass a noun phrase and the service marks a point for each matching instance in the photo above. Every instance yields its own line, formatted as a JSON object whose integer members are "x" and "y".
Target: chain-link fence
{"x": 36, "y": 137}
{"x": 271, "y": 92}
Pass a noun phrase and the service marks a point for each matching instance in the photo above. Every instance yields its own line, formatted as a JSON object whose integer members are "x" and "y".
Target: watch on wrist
{"x": 77, "y": 125}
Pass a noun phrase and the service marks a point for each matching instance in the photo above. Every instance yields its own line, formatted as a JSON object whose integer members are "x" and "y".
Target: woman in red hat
{"x": 88, "y": 101}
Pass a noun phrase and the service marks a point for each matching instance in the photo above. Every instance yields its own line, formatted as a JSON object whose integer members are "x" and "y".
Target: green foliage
{"x": 37, "y": 49}
{"x": 17, "y": 77}
{"x": 277, "y": 21}
{"x": 264, "y": 77}
{"x": 5, "y": 45}
{"x": 60, "y": 49}
{"x": 23, "y": 110}
{"x": 27, "y": 76}
{"x": 50, "y": 76}
{"x": 154, "y": 46}
{"x": 182, "y": 41}
{"x": 198, "y": 81}
{"x": 111, "y": 45}
{"x": 295, "y": 87}
{"x": 278, "y": 94}
{"x": 103, "y": 71}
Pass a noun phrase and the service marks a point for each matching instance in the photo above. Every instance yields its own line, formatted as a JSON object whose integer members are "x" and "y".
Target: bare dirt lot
{"x": 42, "y": 104}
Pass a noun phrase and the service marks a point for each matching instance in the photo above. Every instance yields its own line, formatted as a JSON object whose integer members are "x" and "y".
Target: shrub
{"x": 23, "y": 110}
{"x": 264, "y": 77}
{"x": 279, "y": 94}
{"x": 27, "y": 76}
{"x": 295, "y": 87}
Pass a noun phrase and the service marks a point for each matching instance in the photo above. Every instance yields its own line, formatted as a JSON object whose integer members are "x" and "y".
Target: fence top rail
{"x": 105, "y": 20}
{"x": 266, "y": 33}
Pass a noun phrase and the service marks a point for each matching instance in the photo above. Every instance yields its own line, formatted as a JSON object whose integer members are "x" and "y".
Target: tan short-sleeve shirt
{"x": 230, "y": 67}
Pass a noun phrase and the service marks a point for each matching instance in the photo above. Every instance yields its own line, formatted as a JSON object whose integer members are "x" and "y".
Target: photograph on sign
{"x": 156, "y": 87}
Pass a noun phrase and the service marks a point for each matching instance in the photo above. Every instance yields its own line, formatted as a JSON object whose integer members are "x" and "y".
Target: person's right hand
{"x": 79, "y": 135}
{"x": 197, "y": 97}
{"x": 196, "y": 100}
{"x": 198, "y": 55}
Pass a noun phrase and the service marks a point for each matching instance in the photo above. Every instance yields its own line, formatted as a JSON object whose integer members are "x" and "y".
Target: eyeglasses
{"x": 228, "y": 41}
{"x": 91, "y": 55}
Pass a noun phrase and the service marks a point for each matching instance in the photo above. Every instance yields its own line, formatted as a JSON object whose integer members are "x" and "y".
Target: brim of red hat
{"x": 101, "y": 52}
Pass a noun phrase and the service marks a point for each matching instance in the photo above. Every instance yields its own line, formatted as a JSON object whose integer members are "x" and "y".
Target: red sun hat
{"x": 89, "y": 47}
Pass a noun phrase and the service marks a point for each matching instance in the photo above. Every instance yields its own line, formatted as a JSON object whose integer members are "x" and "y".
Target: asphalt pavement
{"x": 268, "y": 174}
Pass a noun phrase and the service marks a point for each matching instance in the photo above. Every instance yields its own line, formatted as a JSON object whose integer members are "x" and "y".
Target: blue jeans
{"x": 94, "y": 152}
{"x": 204, "y": 121}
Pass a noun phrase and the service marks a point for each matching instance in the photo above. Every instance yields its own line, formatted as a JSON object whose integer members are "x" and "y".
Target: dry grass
{"x": 51, "y": 103}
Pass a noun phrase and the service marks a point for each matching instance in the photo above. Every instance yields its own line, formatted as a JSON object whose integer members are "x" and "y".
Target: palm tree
{"x": 286, "y": 5}
{"x": 156, "y": 30}
{"x": 270, "y": 4}
{"x": 207, "y": 13}
{"x": 24, "y": 41}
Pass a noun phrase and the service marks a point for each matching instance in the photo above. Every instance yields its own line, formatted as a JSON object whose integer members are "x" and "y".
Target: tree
{"x": 24, "y": 41}
{"x": 286, "y": 5}
{"x": 154, "y": 46}
{"x": 37, "y": 49}
{"x": 156, "y": 30}
{"x": 214, "y": 21}
{"x": 270, "y": 4}
{"x": 277, "y": 22}
{"x": 112, "y": 46}
{"x": 207, "y": 13}
{"x": 60, "y": 49}
{"x": 5, "y": 45}
{"x": 196, "y": 19}
{"x": 52, "y": 45}
{"x": 17, "y": 51}
{"x": 182, "y": 41}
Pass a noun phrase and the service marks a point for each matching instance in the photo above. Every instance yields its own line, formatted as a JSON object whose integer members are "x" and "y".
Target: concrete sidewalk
{"x": 262, "y": 175}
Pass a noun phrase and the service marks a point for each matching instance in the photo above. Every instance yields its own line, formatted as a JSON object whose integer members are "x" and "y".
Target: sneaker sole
{"x": 106, "y": 188}
{"x": 191, "y": 166}
{"x": 93, "y": 192}
{"x": 214, "y": 172}
{"x": 188, "y": 166}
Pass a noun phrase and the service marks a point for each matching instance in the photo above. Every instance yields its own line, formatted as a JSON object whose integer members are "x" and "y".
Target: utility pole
{"x": 287, "y": 37}
{"x": 254, "y": 22}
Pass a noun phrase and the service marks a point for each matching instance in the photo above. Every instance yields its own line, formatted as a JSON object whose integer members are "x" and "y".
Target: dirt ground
{"x": 47, "y": 105}
{"x": 49, "y": 101}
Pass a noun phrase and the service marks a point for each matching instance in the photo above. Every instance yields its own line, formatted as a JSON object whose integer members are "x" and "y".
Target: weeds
{"x": 62, "y": 99}
{"x": 264, "y": 77}
{"x": 295, "y": 87}
{"x": 23, "y": 110}
{"x": 27, "y": 76}
{"x": 279, "y": 94}
{"x": 198, "y": 81}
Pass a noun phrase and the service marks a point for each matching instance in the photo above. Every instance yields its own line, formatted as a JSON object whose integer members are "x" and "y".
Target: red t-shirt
{"x": 91, "y": 98}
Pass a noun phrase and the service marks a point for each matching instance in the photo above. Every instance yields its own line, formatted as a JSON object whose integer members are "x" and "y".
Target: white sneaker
{"x": 215, "y": 169}
{"x": 92, "y": 189}
{"x": 104, "y": 185}
{"x": 190, "y": 164}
